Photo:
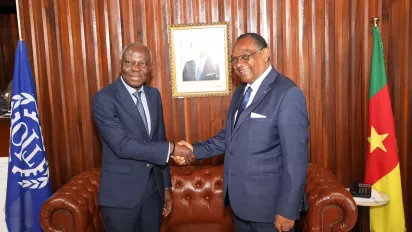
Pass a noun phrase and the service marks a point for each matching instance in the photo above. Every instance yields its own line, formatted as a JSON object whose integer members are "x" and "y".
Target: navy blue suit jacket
{"x": 128, "y": 152}
{"x": 266, "y": 158}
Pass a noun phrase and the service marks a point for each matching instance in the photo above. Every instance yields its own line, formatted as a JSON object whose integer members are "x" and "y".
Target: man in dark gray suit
{"x": 135, "y": 178}
{"x": 200, "y": 69}
{"x": 265, "y": 143}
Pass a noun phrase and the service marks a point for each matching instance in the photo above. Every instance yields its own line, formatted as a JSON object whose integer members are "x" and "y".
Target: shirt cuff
{"x": 168, "y": 154}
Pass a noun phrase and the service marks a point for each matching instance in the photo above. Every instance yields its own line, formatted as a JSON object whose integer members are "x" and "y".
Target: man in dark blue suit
{"x": 135, "y": 178}
{"x": 265, "y": 143}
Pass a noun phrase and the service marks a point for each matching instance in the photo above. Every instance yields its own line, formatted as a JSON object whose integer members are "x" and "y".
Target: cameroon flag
{"x": 382, "y": 163}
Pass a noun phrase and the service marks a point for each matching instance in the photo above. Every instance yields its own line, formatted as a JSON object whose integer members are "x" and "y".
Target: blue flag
{"x": 28, "y": 184}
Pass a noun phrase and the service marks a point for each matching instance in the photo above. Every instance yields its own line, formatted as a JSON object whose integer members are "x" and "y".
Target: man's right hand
{"x": 187, "y": 144}
{"x": 183, "y": 155}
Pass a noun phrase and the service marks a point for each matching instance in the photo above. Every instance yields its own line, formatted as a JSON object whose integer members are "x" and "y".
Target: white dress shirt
{"x": 131, "y": 90}
{"x": 255, "y": 86}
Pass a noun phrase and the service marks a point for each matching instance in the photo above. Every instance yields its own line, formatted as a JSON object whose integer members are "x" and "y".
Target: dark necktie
{"x": 243, "y": 103}
{"x": 139, "y": 105}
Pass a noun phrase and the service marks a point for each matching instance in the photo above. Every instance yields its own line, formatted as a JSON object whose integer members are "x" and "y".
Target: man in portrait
{"x": 201, "y": 67}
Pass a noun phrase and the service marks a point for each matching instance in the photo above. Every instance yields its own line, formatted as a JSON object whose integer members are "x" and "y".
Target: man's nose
{"x": 136, "y": 67}
{"x": 238, "y": 64}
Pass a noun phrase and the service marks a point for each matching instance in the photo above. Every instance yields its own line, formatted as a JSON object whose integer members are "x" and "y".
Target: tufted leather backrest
{"x": 197, "y": 197}
{"x": 198, "y": 203}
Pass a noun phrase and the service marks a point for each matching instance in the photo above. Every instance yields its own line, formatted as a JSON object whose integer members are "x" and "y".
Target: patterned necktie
{"x": 243, "y": 103}
{"x": 139, "y": 105}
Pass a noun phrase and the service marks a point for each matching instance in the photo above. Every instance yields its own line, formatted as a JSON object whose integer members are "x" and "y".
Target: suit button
{"x": 148, "y": 165}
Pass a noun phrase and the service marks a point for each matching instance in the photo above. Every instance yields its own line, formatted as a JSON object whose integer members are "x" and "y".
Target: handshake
{"x": 183, "y": 153}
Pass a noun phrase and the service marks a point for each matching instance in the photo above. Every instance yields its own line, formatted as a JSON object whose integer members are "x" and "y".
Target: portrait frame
{"x": 199, "y": 60}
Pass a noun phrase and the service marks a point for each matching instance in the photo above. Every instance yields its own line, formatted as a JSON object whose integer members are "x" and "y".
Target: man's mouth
{"x": 243, "y": 71}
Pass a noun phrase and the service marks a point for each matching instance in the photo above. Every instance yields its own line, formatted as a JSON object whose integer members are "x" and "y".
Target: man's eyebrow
{"x": 244, "y": 53}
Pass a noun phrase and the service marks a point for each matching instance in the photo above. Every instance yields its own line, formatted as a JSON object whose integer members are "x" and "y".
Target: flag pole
{"x": 374, "y": 21}
{"x": 18, "y": 18}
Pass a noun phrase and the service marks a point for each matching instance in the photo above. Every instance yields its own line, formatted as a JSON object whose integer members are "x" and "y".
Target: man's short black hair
{"x": 258, "y": 40}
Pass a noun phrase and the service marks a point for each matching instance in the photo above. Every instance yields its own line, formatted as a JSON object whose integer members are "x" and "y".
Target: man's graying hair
{"x": 135, "y": 44}
{"x": 258, "y": 40}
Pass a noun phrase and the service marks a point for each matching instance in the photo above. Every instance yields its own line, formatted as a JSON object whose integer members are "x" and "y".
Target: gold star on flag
{"x": 376, "y": 140}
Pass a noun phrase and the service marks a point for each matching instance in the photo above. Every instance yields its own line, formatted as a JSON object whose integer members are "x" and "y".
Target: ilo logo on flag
{"x": 28, "y": 185}
{"x": 27, "y": 152}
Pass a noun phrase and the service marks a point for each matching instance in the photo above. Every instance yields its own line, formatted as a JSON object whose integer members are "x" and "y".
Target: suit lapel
{"x": 263, "y": 90}
{"x": 151, "y": 103}
{"x": 127, "y": 102}
{"x": 236, "y": 104}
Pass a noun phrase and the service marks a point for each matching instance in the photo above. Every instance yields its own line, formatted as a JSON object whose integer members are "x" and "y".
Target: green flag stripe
{"x": 378, "y": 73}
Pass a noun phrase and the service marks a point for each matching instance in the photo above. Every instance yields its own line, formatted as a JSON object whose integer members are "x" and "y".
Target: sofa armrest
{"x": 331, "y": 206}
{"x": 74, "y": 207}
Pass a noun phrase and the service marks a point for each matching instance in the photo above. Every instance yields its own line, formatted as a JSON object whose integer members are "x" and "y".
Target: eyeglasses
{"x": 244, "y": 58}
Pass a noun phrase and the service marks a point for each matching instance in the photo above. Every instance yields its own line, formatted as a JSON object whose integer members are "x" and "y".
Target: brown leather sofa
{"x": 198, "y": 203}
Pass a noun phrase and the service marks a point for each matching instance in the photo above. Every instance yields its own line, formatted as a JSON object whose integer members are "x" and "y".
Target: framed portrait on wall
{"x": 199, "y": 60}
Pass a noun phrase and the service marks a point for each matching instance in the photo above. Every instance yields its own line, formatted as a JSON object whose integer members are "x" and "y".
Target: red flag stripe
{"x": 380, "y": 163}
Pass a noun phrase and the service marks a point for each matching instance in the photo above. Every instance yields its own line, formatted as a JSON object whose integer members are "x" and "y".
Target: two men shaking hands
{"x": 264, "y": 142}
{"x": 182, "y": 153}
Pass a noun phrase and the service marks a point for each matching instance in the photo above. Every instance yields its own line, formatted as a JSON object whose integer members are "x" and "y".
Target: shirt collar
{"x": 256, "y": 84}
{"x": 202, "y": 61}
{"x": 130, "y": 89}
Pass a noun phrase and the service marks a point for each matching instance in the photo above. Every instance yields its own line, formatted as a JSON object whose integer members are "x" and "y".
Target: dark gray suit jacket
{"x": 210, "y": 71}
{"x": 128, "y": 152}
{"x": 266, "y": 158}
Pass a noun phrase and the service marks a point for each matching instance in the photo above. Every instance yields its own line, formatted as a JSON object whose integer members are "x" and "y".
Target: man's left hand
{"x": 168, "y": 204}
{"x": 283, "y": 224}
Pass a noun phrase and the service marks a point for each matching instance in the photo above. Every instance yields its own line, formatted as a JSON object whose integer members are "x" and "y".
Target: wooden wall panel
{"x": 8, "y": 43}
{"x": 5, "y": 137}
{"x": 323, "y": 45}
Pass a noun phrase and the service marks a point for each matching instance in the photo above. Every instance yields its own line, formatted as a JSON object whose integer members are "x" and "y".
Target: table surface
{"x": 370, "y": 202}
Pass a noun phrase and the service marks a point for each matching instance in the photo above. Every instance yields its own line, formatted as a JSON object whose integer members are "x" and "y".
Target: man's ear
{"x": 266, "y": 54}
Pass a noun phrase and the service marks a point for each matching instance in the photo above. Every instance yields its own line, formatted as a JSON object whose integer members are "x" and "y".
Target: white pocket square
{"x": 255, "y": 115}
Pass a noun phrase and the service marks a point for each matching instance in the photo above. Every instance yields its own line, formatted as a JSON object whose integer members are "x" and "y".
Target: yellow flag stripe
{"x": 390, "y": 217}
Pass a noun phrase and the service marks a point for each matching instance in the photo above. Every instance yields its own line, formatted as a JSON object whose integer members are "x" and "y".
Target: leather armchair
{"x": 198, "y": 203}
